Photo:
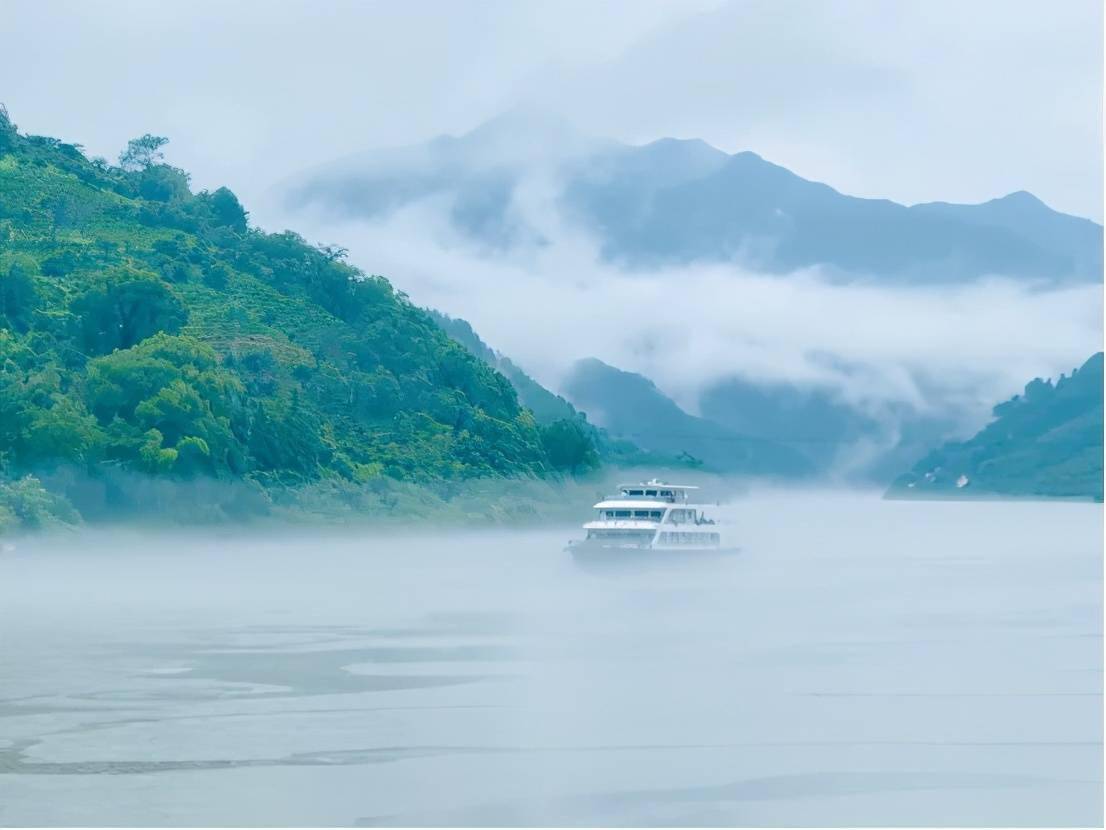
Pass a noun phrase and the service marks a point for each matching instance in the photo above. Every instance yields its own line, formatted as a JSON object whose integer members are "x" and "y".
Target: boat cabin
{"x": 652, "y": 513}
{"x": 655, "y": 489}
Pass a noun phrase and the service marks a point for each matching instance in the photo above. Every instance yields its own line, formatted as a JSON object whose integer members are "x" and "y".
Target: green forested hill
{"x": 149, "y": 336}
{"x": 1046, "y": 442}
{"x": 570, "y": 438}
{"x": 546, "y": 406}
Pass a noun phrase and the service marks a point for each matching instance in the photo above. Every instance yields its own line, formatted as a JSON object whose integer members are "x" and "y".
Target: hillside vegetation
{"x": 1046, "y": 442}
{"x": 571, "y": 439}
{"x": 151, "y": 339}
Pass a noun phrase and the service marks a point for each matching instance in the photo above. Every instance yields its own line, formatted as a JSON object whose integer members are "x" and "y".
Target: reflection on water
{"x": 861, "y": 662}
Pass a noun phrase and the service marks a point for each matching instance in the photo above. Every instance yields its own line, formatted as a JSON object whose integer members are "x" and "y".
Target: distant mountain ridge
{"x": 775, "y": 428}
{"x": 674, "y": 202}
{"x": 1045, "y": 442}
{"x": 630, "y": 406}
{"x": 837, "y": 437}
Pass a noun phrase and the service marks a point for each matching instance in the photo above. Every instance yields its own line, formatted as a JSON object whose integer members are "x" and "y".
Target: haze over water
{"x": 860, "y": 662}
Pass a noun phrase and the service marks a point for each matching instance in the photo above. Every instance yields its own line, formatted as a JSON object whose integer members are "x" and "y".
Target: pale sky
{"x": 914, "y": 100}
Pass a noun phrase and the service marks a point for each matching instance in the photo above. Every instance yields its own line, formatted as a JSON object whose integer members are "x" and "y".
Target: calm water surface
{"x": 861, "y": 662}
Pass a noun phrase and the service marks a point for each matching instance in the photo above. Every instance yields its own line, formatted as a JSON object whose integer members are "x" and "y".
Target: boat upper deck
{"x": 655, "y": 489}
{"x": 632, "y": 504}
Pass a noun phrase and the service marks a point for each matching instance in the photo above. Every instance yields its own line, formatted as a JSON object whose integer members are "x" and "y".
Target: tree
{"x": 142, "y": 152}
{"x": 18, "y": 296}
{"x": 168, "y": 406}
{"x": 216, "y": 276}
{"x": 162, "y": 183}
{"x": 569, "y": 447}
{"x": 227, "y": 211}
{"x": 25, "y": 503}
{"x": 152, "y": 456}
{"x": 258, "y": 368}
{"x": 126, "y": 310}
{"x": 193, "y": 457}
{"x": 287, "y": 436}
{"x": 64, "y": 432}
{"x": 116, "y": 383}
{"x": 175, "y": 411}
{"x": 8, "y": 133}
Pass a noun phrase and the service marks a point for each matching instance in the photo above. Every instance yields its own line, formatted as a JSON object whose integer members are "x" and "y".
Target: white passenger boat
{"x": 654, "y": 517}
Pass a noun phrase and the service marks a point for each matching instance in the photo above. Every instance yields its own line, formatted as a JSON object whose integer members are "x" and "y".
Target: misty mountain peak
{"x": 684, "y": 149}
{"x": 523, "y": 135}
{"x": 672, "y": 202}
{"x": 748, "y": 157}
{"x": 1020, "y": 201}
{"x": 523, "y": 122}
{"x": 1021, "y": 197}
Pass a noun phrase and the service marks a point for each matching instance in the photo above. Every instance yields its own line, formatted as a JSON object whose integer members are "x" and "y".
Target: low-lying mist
{"x": 857, "y": 662}
{"x": 121, "y": 498}
{"x": 952, "y": 350}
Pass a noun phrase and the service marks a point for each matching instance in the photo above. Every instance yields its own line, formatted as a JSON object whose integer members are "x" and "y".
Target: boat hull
{"x": 593, "y": 554}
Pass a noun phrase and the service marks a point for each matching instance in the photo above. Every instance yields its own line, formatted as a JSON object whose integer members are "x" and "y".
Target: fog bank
{"x": 955, "y": 349}
{"x": 859, "y": 662}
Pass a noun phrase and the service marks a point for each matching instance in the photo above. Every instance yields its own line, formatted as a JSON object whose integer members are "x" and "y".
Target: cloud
{"x": 911, "y": 100}
{"x": 950, "y": 348}
{"x": 250, "y": 91}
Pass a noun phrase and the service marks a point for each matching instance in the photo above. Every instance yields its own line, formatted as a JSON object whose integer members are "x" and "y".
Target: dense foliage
{"x": 1047, "y": 442}
{"x": 148, "y": 333}
{"x": 572, "y": 442}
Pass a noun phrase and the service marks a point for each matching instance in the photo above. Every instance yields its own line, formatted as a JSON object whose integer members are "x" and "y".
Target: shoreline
{"x": 896, "y": 494}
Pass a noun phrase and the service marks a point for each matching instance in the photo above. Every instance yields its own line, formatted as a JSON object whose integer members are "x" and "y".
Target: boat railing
{"x": 673, "y": 499}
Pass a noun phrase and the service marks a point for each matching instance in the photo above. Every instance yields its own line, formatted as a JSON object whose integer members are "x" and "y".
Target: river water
{"x": 860, "y": 662}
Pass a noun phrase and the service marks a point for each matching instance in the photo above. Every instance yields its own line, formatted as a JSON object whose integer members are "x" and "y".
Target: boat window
{"x": 622, "y": 514}
{"x": 650, "y": 492}
{"x": 666, "y": 493}
{"x": 633, "y": 492}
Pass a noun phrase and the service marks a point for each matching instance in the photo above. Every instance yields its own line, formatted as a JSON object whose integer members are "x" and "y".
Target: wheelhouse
{"x": 669, "y": 493}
